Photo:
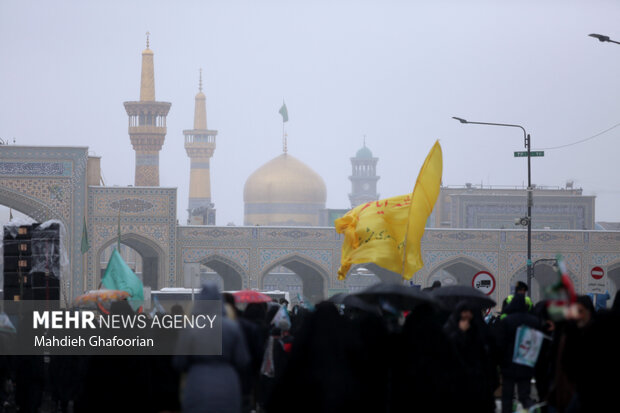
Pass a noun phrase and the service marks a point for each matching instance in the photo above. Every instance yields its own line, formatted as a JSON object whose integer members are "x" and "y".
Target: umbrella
{"x": 251, "y": 296}
{"x": 452, "y": 295}
{"x": 351, "y": 301}
{"x": 337, "y": 298}
{"x": 100, "y": 296}
{"x": 404, "y": 298}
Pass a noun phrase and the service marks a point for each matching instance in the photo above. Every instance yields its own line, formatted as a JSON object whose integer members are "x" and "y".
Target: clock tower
{"x": 363, "y": 177}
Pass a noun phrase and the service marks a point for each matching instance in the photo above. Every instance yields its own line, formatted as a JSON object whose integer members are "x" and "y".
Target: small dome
{"x": 364, "y": 153}
{"x": 284, "y": 191}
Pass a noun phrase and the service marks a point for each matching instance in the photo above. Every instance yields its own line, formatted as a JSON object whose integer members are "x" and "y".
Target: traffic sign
{"x": 484, "y": 282}
{"x": 598, "y": 283}
{"x": 597, "y": 273}
{"x": 522, "y": 154}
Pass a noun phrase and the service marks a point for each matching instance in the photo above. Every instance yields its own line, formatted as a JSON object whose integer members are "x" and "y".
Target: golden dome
{"x": 284, "y": 191}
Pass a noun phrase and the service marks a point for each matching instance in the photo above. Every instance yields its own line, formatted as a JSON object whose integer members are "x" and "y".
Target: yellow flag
{"x": 388, "y": 232}
{"x": 425, "y": 194}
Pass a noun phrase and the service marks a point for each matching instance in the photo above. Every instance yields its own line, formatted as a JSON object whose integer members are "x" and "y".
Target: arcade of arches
{"x": 52, "y": 183}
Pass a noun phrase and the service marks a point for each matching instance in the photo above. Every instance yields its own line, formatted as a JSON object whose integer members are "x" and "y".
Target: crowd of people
{"x": 350, "y": 358}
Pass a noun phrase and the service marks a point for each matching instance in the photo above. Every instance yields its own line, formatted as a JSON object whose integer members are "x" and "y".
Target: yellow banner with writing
{"x": 388, "y": 232}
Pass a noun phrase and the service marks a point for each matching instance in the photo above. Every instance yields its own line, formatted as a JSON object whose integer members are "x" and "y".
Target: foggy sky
{"x": 396, "y": 71}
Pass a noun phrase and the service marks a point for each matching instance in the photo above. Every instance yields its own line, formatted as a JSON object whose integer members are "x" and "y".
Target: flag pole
{"x": 284, "y": 148}
{"x": 118, "y": 241}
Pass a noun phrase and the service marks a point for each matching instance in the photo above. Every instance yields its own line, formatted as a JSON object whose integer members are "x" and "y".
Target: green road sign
{"x": 524, "y": 154}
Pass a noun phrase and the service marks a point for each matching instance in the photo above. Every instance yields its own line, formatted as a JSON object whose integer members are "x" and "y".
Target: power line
{"x": 581, "y": 140}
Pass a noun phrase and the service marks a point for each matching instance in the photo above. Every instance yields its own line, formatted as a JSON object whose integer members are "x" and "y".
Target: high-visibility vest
{"x": 528, "y": 302}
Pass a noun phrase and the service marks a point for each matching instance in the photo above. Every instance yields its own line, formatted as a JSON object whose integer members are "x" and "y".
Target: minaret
{"x": 364, "y": 177}
{"x": 147, "y": 124}
{"x": 199, "y": 145}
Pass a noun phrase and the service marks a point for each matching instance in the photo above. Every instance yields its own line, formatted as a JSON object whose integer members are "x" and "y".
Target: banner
{"x": 528, "y": 342}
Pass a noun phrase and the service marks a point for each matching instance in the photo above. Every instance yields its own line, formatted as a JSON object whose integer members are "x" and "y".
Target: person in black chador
{"x": 598, "y": 356}
{"x": 325, "y": 372}
{"x": 127, "y": 375}
{"x": 517, "y": 314}
{"x": 478, "y": 373}
{"x": 424, "y": 366}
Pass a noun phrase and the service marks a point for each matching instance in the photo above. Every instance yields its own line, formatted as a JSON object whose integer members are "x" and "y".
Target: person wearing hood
{"x": 473, "y": 345}
{"x": 127, "y": 375}
{"x": 520, "y": 289}
{"x": 213, "y": 383}
{"x": 425, "y": 366}
{"x": 517, "y": 315}
{"x": 325, "y": 372}
{"x": 572, "y": 360}
{"x": 597, "y": 382}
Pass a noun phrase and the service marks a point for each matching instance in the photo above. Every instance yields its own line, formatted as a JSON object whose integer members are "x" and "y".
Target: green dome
{"x": 364, "y": 153}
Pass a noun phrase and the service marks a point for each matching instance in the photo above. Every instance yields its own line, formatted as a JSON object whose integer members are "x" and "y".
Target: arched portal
{"x": 228, "y": 275}
{"x": 32, "y": 207}
{"x": 456, "y": 271}
{"x": 283, "y": 279}
{"x": 314, "y": 279}
{"x": 152, "y": 258}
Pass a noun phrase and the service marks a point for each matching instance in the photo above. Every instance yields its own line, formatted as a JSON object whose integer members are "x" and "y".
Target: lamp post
{"x": 553, "y": 260}
{"x": 527, "y": 142}
{"x": 603, "y": 38}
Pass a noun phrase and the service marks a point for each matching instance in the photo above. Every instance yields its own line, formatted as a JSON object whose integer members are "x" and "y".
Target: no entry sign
{"x": 597, "y": 273}
{"x": 597, "y": 282}
{"x": 484, "y": 282}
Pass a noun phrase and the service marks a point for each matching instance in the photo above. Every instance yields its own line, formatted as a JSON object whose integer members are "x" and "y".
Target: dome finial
{"x": 284, "y": 143}
{"x": 364, "y": 141}
{"x": 200, "y": 109}
{"x": 147, "y": 79}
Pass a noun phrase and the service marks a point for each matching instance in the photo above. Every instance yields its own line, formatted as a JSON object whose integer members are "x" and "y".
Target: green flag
{"x": 85, "y": 245}
{"x": 118, "y": 276}
{"x": 284, "y": 112}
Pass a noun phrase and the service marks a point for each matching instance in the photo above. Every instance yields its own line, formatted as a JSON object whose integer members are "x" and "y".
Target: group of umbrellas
{"x": 406, "y": 298}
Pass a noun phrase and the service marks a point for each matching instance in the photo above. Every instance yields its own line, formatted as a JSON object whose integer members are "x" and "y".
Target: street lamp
{"x": 527, "y": 142}
{"x": 603, "y": 38}
{"x": 553, "y": 260}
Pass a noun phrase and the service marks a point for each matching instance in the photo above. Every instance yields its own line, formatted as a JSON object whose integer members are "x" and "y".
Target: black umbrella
{"x": 352, "y": 301}
{"x": 452, "y": 295}
{"x": 337, "y": 298}
{"x": 401, "y": 297}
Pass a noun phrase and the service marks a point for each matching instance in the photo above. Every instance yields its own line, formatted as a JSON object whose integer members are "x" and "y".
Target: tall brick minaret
{"x": 200, "y": 145}
{"x": 147, "y": 124}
